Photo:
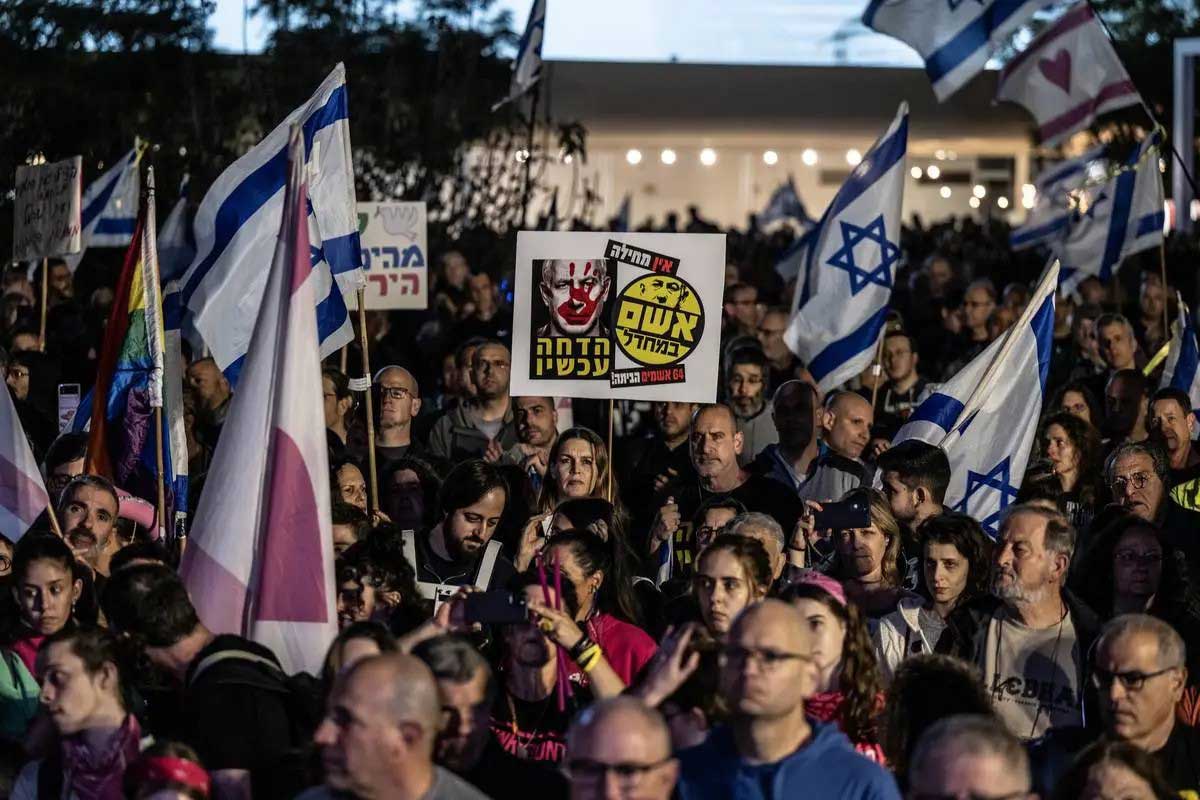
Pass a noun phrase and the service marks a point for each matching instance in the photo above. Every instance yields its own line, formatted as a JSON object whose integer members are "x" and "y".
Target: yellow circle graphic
{"x": 659, "y": 320}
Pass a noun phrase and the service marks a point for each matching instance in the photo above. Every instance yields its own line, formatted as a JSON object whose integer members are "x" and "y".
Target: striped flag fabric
{"x": 175, "y": 460}
{"x": 1115, "y": 219}
{"x": 527, "y": 66}
{"x": 785, "y": 203}
{"x": 792, "y": 265}
{"x": 238, "y": 221}
{"x": 1068, "y": 76}
{"x": 123, "y": 438}
{"x": 260, "y": 558}
{"x": 850, "y": 267}
{"x": 1051, "y": 212}
{"x": 110, "y": 207}
{"x": 1182, "y": 368}
{"x": 955, "y": 37}
{"x": 986, "y": 416}
{"x": 23, "y": 494}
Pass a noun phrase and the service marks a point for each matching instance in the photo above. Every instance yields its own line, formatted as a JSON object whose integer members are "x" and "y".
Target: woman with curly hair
{"x": 956, "y": 559}
{"x": 866, "y": 559}
{"x": 849, "y": 690}
{"x": 1073, "y": 449}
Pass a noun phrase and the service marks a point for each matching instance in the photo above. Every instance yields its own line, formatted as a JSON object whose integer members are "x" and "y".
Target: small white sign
{"x": 46, "y": 220}
{"x": 395, "y": 255}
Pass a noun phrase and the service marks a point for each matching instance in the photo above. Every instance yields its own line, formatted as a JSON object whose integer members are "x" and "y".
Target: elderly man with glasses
{"x": 1140, "y": 675}
{"x": 1137, "y": 474}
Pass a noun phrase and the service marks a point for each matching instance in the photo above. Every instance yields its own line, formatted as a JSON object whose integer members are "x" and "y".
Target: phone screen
{"x": 68, "y": 404}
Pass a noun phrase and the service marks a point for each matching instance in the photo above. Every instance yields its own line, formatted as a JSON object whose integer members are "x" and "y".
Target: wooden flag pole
{"x": 53, "y": 517}
{"x": 372, "y": 481}
{"x": 163, "y": 526}
{"x": 345, "y": 355}
{"x": 611, "y": 461}
{"x": 45, "y": 296}
{"x": 877, "y": 368}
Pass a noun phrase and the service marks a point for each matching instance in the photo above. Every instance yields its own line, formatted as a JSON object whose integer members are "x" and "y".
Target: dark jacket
{"x": 455, "y": 438}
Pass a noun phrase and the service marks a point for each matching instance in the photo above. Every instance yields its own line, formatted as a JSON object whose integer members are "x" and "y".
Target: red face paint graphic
{"x": 584, "y": 294}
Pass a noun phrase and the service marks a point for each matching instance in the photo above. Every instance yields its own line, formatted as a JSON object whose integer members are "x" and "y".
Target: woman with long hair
{"x": 1073, "y": 449}
{"x": 356, "y": 641}
{"x": 604, "y": 593}
{"x": 1077, "y": 399}
{"x": 849, "y": 690}
{"x": 956, "y": 560}
{"x": 866, "y": 560}
{"x": 731, "y": 573}
{"x": 1114, "y": 769}
{"x": 578, "y": 467}
{"x": 84, "y": 694}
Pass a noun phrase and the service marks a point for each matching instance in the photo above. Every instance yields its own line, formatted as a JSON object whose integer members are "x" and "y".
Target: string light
{"x": 667, "y": 156}
{"x": 809, "y": 157}
{"x": 770, "y": 158}
{"x": 916, "y": 172}
{"x": 633, "y": 156}
{"x": 945, "y": 192}
{"x": 934, "y": 172}
{"x": 708, "y": 156}
{"x": 853, "y": 157}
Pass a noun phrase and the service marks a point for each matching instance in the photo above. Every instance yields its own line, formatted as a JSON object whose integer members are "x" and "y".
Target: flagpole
{"x": 876, "y": 368}
{"x": 345, "y": 356}
{"x": 53, "y": 519}
{"x": 611, "y": 460}
{"x": 537, "y": 92}
{"x": 372, "y": 481}
{"x": 45, "y": 296}
{"x": 162, "y": 487}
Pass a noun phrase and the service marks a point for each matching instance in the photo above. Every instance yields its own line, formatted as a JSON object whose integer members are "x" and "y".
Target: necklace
{"x": 522, "y": 750}
{"x": 1053, "y": 661}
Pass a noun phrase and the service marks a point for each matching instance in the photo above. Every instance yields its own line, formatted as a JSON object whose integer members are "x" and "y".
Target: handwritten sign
{"x": 395, "y": 254}
{"x": 46, "y": 219}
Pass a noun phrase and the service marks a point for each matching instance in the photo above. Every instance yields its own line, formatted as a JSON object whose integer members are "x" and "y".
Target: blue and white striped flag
{"x": 955, "y": 37}
{"x": 851, "y": 265}
{"x": 621, "y": 223}
{"x": 986, "y": 416}
{"x": 792, "y": 265}
{"x": 527, "y": 66}
{"x": 175, "y": 460}
{"x": 785, "y": 203}
{"x": 1115, "y": 219}
{"x": 1182, "y": 370}
{"x": 1052, "y": 207}
{"x": 239, "y": 219}
{"x": 109, "y": 207}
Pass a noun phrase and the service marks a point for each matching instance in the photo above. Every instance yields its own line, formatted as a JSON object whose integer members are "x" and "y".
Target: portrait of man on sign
{"x": 575, "y": 292}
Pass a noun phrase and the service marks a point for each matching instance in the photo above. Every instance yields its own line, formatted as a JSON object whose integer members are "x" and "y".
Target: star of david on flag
{"x": 852, "y": 235}
{"x": 986, "y": 416}
{"x": 845, "y": 283}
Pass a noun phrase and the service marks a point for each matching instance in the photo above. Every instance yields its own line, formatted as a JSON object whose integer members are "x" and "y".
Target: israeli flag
{"x": 238, "y": 223}
{"x": 109, "y": 207}
{"x": 955, "y": 37}
{"x": 1115, "y": 219}
{"x": 1182, "y": 370}
{"x": 791, "y": 265}
{"x": 621, "y": 225}
{"x": 527, "y": 66}
{"x": 986, "y": 416}
{"x": 784, "y": 203}
{"x": 851, "y": 265}
{"x": 1051, "y": 211}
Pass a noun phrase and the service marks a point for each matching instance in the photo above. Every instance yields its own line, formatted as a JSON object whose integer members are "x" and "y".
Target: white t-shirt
{"x": 1033, "y": 675}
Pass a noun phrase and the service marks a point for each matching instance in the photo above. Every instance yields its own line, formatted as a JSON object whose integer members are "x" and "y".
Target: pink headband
{"x": 810, "y": 577}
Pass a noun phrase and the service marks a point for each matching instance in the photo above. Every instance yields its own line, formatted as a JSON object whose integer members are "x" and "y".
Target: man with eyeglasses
{"x": 399, "y": 401}
{"x": 1140, "y": 675}
{"x": 620, "y": 749}
{"x": 483, "y": 421}
{"x": 1137, "y": 475}
{"x": 969, "y": 757}
{"x": 770, "y": 748}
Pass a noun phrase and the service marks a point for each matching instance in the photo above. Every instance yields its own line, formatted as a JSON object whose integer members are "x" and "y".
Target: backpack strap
{"x": 225, "y": 655}
{"x": 426, "y": 589}
{"x": 487, "y": 565}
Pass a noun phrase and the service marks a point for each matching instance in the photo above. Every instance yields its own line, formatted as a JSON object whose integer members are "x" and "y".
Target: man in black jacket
{"x": 1031, "y": 637}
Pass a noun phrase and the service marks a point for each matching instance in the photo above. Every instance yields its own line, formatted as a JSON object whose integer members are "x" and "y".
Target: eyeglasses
{"x": 1134, "y": 557}
{"x": 769, "y": 660}
{"x": 1138, "y": 479}
{"x": 18, "y": 372}
{"x": 585, "y": 770}
{"x": 394, "y": 392}
{"x": 1132, "y": 681}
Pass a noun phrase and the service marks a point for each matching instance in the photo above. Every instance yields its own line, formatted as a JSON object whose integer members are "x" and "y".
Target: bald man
{"x": 378, "y": 735}
{"x": 846, "y": 430}
{"x": 620, "y": 748}
{"x": 212, "y": 393}
{"x": 770, "y": 748}
{"x": 399, "y": 401}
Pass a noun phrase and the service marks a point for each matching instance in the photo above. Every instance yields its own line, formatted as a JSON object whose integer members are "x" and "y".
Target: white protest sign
{"x": 631, "y": 316}
{"x": 394, "y": 255}
{"x": 46, "y": 219}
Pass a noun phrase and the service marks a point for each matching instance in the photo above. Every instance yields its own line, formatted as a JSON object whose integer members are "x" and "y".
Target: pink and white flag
{"x": 1068, "y": 76}
{"x": 260, "y": 558}
{"x": 22, "y": 493}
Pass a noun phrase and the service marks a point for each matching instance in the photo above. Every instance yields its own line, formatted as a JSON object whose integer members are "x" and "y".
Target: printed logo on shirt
{"x": 1046, "y": 693}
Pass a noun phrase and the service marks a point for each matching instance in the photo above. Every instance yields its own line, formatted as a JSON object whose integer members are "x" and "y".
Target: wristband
{"x": 580, "y": 648}
{"x": 590, "y": 658}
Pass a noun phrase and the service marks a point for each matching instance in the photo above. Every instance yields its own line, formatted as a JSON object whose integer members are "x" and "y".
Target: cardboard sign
{"x": 46, "y": 219}
{"x": 631, "y": 316}
{"x": 395, "y": 255}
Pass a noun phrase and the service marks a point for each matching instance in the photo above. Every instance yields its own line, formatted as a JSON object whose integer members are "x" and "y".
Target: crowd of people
{"x": 761, "y": 597}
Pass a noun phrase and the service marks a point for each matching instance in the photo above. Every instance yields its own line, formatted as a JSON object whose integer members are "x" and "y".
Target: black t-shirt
{"x": 435, "y": 569}
{"x": 505, "y": 777}
{"x": 539, "y": 732}
{"x": 1180, "y": 759}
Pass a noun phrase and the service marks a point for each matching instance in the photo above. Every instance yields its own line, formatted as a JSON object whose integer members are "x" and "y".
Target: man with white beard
{"x": 1031, "y": 637}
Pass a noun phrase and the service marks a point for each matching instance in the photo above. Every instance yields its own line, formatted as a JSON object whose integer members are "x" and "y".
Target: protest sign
{"x": 46, "y": 220}
{"x": 394, "y": 255}
{"x": 627, "y": 316}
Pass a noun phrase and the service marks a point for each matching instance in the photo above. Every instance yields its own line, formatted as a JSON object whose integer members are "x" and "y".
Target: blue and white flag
{"x": 792, "y": 265}
{"x": 986, "y": 416}
{"x": 1182, "y": 370}
{"x": 785, "y": 203}
{"x": 621, "y": 221}
{"x": 176, "y": 247}
{"x": 110, "y": 207}
{"x": 175, "y": 461}
{"x": 1115, "y": 219}
{"x": 851, "y": 266}
{"x": 955, "y": 37}
{"x": 1051, "y": 211}
{"x": 239, "y": 219}
{"x": 527, "y": 66}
